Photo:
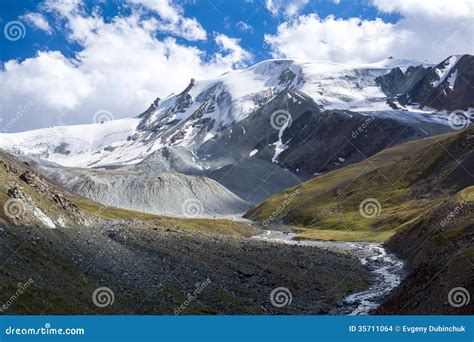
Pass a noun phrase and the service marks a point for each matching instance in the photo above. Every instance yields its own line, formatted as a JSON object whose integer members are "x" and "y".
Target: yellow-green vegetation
{"x": 108, "y": 212}
{"x": 466, "y": 195}
{"x": 343, "y": 235}
{"x": 398, "y": 186}
{"x": 219, "y": 226}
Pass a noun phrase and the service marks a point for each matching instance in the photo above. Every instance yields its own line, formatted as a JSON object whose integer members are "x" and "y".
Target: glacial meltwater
{"x": 386, "y": 268}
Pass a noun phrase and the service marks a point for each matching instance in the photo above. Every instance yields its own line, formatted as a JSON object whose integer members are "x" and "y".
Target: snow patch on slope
{"x": 76, "y": 145}
{"x": 442, "y": 73}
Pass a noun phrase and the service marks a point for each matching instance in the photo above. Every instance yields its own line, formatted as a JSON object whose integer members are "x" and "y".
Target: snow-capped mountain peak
{"x": 205, "y": 108}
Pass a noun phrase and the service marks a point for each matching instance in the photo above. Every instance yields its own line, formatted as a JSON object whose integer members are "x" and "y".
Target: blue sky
{"x": 246, "y": 20}
{"x": 64, "y": 60}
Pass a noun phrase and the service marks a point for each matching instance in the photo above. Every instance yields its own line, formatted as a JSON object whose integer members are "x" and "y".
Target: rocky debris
{"x": 30, "y": 178}
{"x": 173, "y": 194}
{"x": 151, "y": 271}
{"x": 9, "y": 168}
{"x": 15, "y": 192}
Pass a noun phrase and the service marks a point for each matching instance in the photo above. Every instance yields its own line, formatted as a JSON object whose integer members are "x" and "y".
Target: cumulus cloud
{"x": 288, "y": 8}
{"x": 231, "y": 53}
{"x": 63, "y": 7}
{"x": 173, "y": 20}
{"x": 121, "y": 67}
{"x": 427, "y": 30}
{"x": 433, "y": 8}
{"x": 39, "y": 21}
{"x": 356, "y": 40}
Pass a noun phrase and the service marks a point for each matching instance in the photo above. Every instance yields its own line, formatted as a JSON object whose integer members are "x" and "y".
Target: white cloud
{"x": 427, "y": 30}
{"x": 121, "y": 67}
{"x": 352, "y": 40}
{"x": 173, "y": 19}
{"x": 231, "y": 53}
{"x": 62, "y": 7}
{"x": 289, "y": 8}
{"x": 433, "y": 8}
{"x": 242, "y": 26}
{"x": 27, "y": 79}
{"x": 39, "y": 21}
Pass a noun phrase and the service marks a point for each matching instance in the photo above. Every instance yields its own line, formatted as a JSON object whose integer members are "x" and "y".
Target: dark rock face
{"x": 461, "y": 95}
{"x": 334, "y": 139}
{"x": 397, "y": 82}
{"x": 319, "y": 141}
{"x": 433, "y": 87}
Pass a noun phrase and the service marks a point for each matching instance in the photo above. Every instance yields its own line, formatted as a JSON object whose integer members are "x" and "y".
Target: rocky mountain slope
{"x": 170, "y": 193}
{"x": 417, "y": 197}
{"x": 446, "y": 86}
{"x": 206, "y": 110}
{"x": 439, "y": 250}
{"x": 404, "y": 180}
{"x": 28, "y": 199}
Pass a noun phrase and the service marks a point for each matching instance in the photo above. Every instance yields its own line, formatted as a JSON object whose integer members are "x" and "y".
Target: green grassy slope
{"x": 407, "y": 180}
{"x": 439, "y": 251}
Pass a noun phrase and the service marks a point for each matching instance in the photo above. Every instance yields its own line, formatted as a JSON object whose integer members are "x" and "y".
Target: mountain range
{"x": 232, "y": 141}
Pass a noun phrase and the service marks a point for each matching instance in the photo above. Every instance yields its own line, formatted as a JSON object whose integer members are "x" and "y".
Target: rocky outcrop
{"x": 31, "y": 200}
{"x": 446, "y": 86}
